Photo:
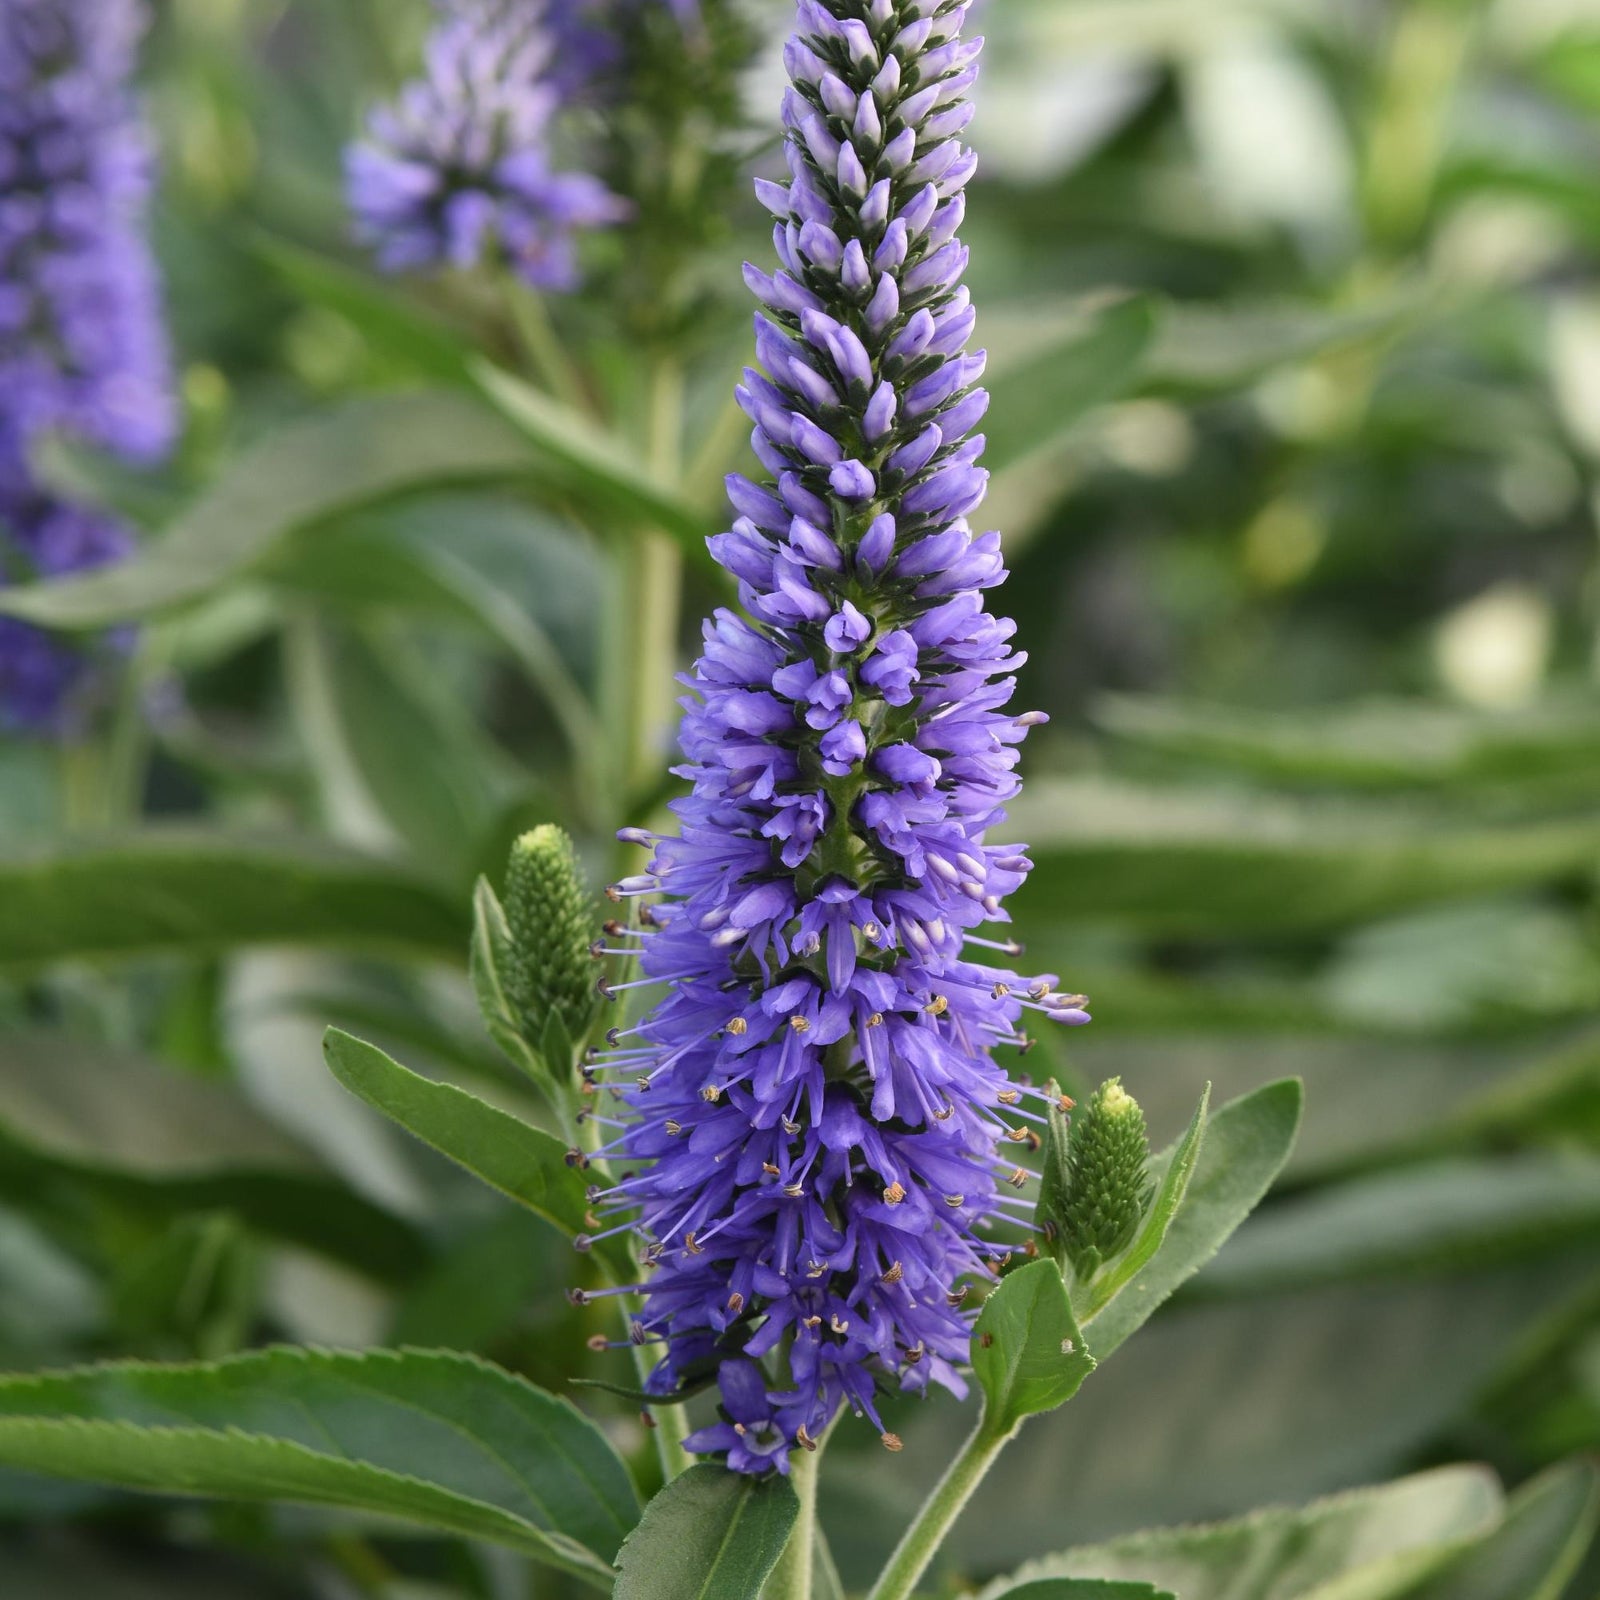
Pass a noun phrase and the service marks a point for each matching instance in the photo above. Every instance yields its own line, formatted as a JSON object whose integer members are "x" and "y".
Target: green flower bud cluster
{"x": 1097, "y": 1187}
{"x": 549, "y": 973}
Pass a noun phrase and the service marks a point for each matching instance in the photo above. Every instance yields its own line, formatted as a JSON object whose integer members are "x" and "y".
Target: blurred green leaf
{"x": 594, "y": 463}
{"x": 1533, "y": 1555}
{"x": 1204, "y": 347}
{"x": 484, "y": 1283}
{"x": 439, "y": 1440}
{"x": 1085, "y": 1589}
{"x": 521, "y": 1161}
{"x": 190, "y": 1292}
{"x": 710, "y": 1534}
{"x": 310, "y": 471}
{"x": 1038, "y": 399}
{"x": 165, "y": 1142}
{"x": 73, "y": 1569}
{"x": 1372, "y": 1544}
{"x": 1217, "y": 1407}
{"x": 1418, "y": 1219}
{"x": 1496, "y": 961}
{"x": 191, "y": 891}
{"x": 1374, "y": 745}
{"x": 1439, "y": 1095}
{"x": 1247, "y": 1142}
{"x": 393, "y": 326}
{"x": 383, "y": 704}
{"x": 1027, "y": 1351}
{"x": 1208, "y": 863}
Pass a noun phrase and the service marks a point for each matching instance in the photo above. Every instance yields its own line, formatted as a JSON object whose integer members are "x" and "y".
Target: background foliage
{"x": 1295, "y": 332}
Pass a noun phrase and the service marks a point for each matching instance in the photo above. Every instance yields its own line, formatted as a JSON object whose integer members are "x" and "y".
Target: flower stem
{"x": 671, "y": 1423}
{"x": 791, "y": 1578}
{"x": 939, "y": 1511}
{"x": 653, "y": 568}
{"x": 547, "y": 356}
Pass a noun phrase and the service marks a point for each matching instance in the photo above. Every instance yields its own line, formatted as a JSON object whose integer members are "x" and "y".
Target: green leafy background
{"x": 1295, "y": 353}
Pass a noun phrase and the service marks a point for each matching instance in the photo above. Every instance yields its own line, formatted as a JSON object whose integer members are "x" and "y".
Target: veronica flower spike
{"x": 822, "y": 1145}
{"x": 459, "y": 168}
{"x": 83, "y": 343}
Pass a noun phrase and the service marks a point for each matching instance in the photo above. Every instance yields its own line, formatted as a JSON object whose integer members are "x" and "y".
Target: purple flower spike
{"x": 821, "y": 1144}
{"x": 458, "y": 169}
{"x": 83, "y": 346}
{"x": 82, "y": 342}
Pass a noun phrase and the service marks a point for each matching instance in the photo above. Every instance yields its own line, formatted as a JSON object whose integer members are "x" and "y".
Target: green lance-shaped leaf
{"x": 1534, "y": 1554}
{"x": 523, "y": 1162}
{"x": 1372, "y": 1544}
{"x": 1086, "y": 1589}
{"x": 195, "y": 892}
{"x": 1036, "y": 401}
{"x": 440, "y": 1440}
{"x": 1107, "y": 1184}
{"x": 310, "y": 472}
{"x": 710, "y": 1534}
{"x": 91, "y": 1118}
{"x": 550, "y": 977}
{"x": 1027, "y": 1350}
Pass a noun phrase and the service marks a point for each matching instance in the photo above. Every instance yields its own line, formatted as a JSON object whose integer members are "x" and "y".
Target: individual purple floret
{"x": 459, "y": 168}
{"x": 822, "y": 1148}
{"x": 82, "y": 341}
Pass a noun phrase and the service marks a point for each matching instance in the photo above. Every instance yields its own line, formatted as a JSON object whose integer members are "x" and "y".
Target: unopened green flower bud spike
{"x": 1108, "y": 1188}
{"x": 550, "y": 974}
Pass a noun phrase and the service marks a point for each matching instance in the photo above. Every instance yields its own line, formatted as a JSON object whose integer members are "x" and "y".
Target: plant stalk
{"x": 653, "y": 570}
{"x": 939, "y": 1511}
{"x": 792, "y": 1577}
{"x": 670, "y": 1423}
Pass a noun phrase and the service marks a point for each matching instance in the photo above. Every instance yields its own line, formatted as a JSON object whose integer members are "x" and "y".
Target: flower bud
{"x": 1107, "y": 1186}
{"x": 549, "y": 976}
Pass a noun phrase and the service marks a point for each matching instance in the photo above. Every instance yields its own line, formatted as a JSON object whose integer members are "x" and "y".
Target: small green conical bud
{"x": 550, "y": 974}
{"x": 1107, "y": 1183}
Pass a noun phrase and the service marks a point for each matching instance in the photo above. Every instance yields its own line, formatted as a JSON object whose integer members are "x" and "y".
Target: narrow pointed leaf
{"x": 593, "y": 462}
{"x": 160, "y": 1142}
{"x": 710, "y": 1534}
{"x": 1036, "y": 401}
{"x": 1372, "y": 1544}
{"x": 311, "y": 471}
{"x": 1246, "y": 1145}
{"x": 521, "y": 1161}
{"x": 1027, "y": 1350}
{"x": 440, "y": 1440}
{"x": 1534, "y": 1554}
{"x": 391, "y": 325}
{"x": 1085, "y": 1589}
{"x": 1207, "y": 862}
{"x": 188, "y": 891}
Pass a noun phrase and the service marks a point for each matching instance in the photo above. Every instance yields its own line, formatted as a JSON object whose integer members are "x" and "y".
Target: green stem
{"x": 792, "y": 1577}
{"x": 653, "y": 571}
{"x": 541, "y": 344}
{"x": 939, "y": 1511}
{"x": 671, "y": 1422}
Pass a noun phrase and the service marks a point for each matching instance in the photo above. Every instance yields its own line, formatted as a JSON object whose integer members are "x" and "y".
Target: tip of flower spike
{"x": 1115, "y": 1101}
